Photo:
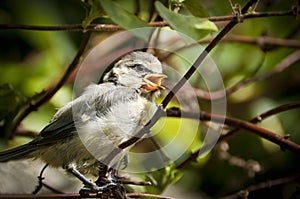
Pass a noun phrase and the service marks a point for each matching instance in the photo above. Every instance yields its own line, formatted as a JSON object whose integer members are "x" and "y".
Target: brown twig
{"x": 24, "y": 132}
{"x": 202, "y": 56}
{"x": 271, "y": 112}
{"x": 282, "y": 141}
{"x": 52, "y": 90}
{"x": 147, "y": 195}
{"x": 31, "y": 196}
{"x": 262, "y": 41}
{"x": 215, "y": 95}
{"x": 263, "y": 185}
{"x": 113, "y": 27}
{"x": 76, "y": 195}
{"x": 204, "y": 116}
{"x": 275, "y": 111}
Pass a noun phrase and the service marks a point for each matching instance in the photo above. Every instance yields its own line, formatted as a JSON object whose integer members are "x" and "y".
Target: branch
{"x": 77, "y": 195}
{"x": 263, "y": 185}
{"x": 285, "y": 63}
{"x": 113, "y": 27}
{"x": 202, "y": 56}
{"x": 262, "y": 42}
{"x": 282, "y": 141}
{"x": 69, "y": 195}
{"x": 204, "y": 117}
{"x": 267, "y": 114}
{"x": 275, "y": 111}
{"x": 52, "y": 90}
{"x": 26, "y": 133}
{"x": 147, "y": 195}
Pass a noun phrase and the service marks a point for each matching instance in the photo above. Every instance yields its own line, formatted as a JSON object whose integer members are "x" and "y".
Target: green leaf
{"x": 125, "y": 19}
{"x": 162, "y": 178}
{"x": 10, "y": 103}
{"x": 195, "y": 8}
{"x": 194, "y": 27}
{"x": 94, "y": 11}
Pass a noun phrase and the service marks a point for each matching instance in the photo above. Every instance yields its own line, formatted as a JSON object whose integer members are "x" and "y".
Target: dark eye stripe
{"x": 140, "y": 67}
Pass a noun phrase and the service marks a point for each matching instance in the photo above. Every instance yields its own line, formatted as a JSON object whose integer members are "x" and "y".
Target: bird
{"x": 84, "y": 131}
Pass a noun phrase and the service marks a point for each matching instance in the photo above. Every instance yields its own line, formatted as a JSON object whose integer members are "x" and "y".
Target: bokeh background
{"x": 32, "y": 61}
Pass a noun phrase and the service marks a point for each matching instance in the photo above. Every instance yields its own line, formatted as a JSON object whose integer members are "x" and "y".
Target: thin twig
{"x": 263, "y": 185}
{"x": 41, "y": 178}
{"x": 203, "y": 116}
{"x": 202, "y": 56}
{"x": 113, "y": 27}
{"x": 282, "y": 141}
{"x": 147, "y": 195}
{"x": 261, "y": 117}
{"x": 262, "y": 41}
{"x": 162, "y": 153}
{"x": 52, "y": 90}
{"x": 76, "y": 195}
{"x": 274, "y": 111}
{"x": 52, "y": 189}
{"x": 26, "y": 133}
{"x": 215, "y": 95}
{"x": 31, "y": 196}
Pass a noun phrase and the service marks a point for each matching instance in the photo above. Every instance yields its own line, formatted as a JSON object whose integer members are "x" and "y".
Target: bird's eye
{"x": 139, "y": 67}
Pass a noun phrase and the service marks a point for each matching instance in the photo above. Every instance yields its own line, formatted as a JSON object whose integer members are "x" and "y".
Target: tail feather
{"x": 17, "y": 153}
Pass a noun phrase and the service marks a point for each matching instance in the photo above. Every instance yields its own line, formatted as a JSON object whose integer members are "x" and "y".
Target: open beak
{"x": 152, "y": 82}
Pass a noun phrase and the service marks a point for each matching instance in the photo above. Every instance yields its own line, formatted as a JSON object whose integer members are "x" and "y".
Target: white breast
{"x": 123, "y": 120}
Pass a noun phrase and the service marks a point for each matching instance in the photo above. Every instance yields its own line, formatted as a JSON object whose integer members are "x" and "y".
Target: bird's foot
{"x": 98, "y": 189}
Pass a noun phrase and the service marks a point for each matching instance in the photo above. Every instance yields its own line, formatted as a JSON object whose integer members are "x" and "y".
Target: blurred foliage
{"x": 190, "y": 25}
{"x": 162, "y": 178}
{"x": 10, "y": 103}
{"x": 32, "y": 61}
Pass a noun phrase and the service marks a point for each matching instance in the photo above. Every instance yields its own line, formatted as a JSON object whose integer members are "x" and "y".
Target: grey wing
{"x": 95, "y": 102}
{"x": 63, "y": 127}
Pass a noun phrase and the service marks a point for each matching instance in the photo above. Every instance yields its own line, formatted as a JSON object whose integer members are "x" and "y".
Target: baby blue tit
{"x": 84, "y": 131}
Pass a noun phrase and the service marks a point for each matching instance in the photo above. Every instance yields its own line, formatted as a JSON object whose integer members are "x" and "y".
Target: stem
{"x": 114, "y": 27}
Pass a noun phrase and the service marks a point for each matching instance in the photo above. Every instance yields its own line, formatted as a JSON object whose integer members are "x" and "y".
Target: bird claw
{"x": 97, "y": 189}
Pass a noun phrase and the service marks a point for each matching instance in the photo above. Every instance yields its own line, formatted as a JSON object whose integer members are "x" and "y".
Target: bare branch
{"x": 261, "y": 117}
{"x": 77, "y": 195}
{"x": 263, "y": 185}
{"x": 285, "y": 63}
{"x": 262, "y": 41}
{"x": 146, "y": 195}
{"x": 275, "y": 111}
{"x": 202, "y": 56}
{"x": 113, "y": 27}
{"x": 24, "y": 132}
{"x": 203, "y": 116}
{"x": 282, "y": 141}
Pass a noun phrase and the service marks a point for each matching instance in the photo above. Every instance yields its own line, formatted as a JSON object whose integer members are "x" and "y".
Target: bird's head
{"x": 139, "y": 70}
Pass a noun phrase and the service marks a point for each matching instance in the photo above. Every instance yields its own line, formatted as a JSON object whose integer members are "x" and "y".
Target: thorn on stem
{"x": 287, "y": 136}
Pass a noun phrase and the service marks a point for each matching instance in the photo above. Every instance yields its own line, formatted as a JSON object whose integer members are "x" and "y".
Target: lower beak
{"x": 152, "y": 82}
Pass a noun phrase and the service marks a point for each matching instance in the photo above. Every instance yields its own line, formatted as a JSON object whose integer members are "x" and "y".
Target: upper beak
{"x": 153, "y": 82}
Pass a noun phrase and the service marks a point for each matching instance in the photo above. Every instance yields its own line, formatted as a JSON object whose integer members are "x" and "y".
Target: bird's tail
{"x": 19, "y": 152}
